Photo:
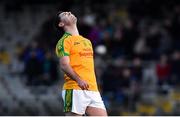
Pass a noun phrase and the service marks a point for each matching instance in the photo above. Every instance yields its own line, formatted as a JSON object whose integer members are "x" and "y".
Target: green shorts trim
{"x": 68, "y": 100}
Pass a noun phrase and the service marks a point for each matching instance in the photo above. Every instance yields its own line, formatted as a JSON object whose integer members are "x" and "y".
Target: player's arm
{"x": 66, "y": 67}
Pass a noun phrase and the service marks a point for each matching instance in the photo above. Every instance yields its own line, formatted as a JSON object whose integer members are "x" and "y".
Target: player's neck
{"x": 72, "y": 30}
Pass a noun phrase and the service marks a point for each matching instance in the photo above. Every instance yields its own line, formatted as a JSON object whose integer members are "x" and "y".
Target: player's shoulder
{"x": 64, "y": 38}
{"x": 86, "y": 39}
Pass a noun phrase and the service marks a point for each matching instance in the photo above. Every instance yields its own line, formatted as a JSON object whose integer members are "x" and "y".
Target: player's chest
{"x": 81, "y": 46}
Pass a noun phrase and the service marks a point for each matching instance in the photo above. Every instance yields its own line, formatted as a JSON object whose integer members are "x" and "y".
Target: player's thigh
{"x": 94, "y": 111}
{"x": 96, "y": 107}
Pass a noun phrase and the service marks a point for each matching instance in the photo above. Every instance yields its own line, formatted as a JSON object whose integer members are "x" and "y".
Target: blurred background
{"x": 137, "y": 55}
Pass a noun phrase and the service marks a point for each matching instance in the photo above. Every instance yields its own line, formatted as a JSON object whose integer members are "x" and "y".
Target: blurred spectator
{"x": 163, "y": 69}
{"x": 33, "y": 69}
{"x": 89, "y": 17}
{"x": 140, "y": 48}
{"x": 4, "y": 56}
{"x": 19, "y": 49}
{"x": 94, "y": 35}
{"x": 137, "y": 70}
{"x": 34, "y": 47}
{"x": 165, "y": 42}
{"x": 16, "y": 66}
{"x": 122, "y": 93}
{"x": 153, "y": 40}
{"x": 108, "y": 78}
{"x": 49, "y": 70}
{"x": 130, "y": 35}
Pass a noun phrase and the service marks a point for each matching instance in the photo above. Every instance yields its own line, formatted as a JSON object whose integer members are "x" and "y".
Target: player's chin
{"x": 74, "y": 19}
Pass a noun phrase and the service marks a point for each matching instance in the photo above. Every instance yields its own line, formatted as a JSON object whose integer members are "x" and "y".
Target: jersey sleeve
{"x": 63, "y": 47}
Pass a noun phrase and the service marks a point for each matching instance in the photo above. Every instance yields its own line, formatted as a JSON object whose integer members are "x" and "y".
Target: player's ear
{"x": 61, "y": 24}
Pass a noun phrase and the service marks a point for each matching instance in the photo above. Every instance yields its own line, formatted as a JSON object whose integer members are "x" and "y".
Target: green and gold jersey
{"x": 80, "y": 52}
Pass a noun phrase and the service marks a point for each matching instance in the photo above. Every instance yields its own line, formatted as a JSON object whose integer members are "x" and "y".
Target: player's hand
{"x": 83, "y": 84}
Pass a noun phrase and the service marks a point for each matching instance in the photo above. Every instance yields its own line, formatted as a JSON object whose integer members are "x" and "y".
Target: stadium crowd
{"x": 138, "y": 61}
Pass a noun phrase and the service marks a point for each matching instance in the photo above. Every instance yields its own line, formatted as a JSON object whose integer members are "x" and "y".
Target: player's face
{"x": 68, "y": 18}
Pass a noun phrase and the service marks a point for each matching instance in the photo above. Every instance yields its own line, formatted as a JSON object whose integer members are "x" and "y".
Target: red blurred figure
{"x": 163, "y": 69}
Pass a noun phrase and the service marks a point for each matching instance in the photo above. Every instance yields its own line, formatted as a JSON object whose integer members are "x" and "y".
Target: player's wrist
{"x": 78, "y": 80}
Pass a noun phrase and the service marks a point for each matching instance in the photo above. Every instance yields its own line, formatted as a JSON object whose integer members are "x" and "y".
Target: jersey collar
{"x": 68, "y": 33}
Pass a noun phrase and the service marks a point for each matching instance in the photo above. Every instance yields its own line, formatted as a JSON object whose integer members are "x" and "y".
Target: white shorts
{"x": 77, "y": 101}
